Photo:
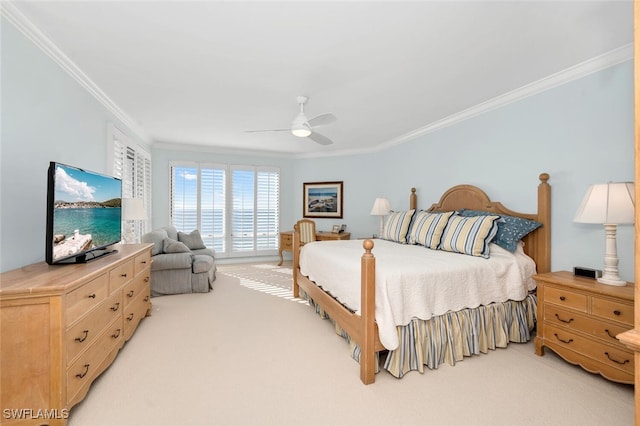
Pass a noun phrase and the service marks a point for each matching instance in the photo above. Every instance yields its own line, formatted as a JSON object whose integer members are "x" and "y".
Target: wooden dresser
{"x": 286, "y": 240}
{"x": 579, "y": 319}
{"x": 61, "y": 326}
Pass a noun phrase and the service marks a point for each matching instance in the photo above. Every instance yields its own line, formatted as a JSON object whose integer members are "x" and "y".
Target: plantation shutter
{"x": 184, "y": 198}
{"x": 132, "y": 164}
{"x": 243, "y": 210}
{"x": 235, "y": 208}
{"x": 267, "y": 209}
{"x": 212, "y": 207}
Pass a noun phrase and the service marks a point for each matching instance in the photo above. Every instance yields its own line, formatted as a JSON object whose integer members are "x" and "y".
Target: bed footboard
{"x": 361, "y": 328}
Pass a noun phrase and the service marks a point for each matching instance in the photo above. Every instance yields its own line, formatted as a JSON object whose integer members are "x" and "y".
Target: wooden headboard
{"x": 537, "y": 244}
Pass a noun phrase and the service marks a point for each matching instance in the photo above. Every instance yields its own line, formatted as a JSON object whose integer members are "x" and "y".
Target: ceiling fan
{"x": 305, "y": 128}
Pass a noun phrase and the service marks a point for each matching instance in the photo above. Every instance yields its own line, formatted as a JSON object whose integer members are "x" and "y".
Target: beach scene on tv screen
{"x": 86, "y": 211}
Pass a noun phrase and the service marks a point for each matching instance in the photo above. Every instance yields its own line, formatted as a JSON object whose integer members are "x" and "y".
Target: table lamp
{"x": 381, "y": 207}
{"x": 610, "y": 204}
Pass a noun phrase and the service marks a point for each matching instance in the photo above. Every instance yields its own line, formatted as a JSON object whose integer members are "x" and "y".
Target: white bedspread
{"x": 416, "y": 282}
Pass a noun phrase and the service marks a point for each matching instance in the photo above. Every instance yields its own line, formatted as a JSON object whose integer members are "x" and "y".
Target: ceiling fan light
{"x": 300, "y": 130}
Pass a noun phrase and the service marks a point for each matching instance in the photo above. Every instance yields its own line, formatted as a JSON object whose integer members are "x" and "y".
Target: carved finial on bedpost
{"x": 544, "y": 177}
{"x": 413, "y": 199}
{"x": 367, "y": 245}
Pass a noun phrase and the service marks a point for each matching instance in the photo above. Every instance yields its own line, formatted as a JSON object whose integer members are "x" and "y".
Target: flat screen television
{"x": 84, "y": 215}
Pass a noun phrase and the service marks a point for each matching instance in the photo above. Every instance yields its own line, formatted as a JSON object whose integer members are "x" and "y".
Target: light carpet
{"x": 242, "y": 356}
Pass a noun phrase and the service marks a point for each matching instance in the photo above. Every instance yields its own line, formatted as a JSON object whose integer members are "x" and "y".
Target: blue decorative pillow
{"x": 396, "y": 226}
{"x": 510, "y": 229}
{"x": 469, "y": 235}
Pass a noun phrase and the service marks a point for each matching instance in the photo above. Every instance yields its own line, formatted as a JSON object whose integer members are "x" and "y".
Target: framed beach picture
{"x": 322, "y": 199}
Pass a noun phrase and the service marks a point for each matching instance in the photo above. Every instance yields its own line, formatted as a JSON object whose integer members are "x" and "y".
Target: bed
{"x": 362, "y": 306}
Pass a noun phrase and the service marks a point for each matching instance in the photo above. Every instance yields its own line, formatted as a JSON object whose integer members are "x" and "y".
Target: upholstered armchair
{"x": 307, "y": 230}
{"x": 180, "y": 262}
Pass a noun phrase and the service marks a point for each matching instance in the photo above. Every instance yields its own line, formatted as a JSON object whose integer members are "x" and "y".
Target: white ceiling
{"x": 201, "y": 73}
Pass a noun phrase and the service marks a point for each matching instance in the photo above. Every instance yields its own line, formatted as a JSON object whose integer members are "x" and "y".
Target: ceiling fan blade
{"x": 322, "y": 140}
{"x": 267, "y": 130}
{"x": 322, "y": 120}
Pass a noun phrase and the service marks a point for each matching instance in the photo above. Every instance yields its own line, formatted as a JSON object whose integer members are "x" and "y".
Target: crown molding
{"x": 13, "y": 15}
{"x": 174, "y": 146}
{"x": 575, "y": 72}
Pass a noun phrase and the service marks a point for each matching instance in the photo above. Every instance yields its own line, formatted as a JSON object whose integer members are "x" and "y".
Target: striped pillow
{"x": 426, "y": 228}
{"x": 396, "y": 226}
{"x": 469, "y": 235}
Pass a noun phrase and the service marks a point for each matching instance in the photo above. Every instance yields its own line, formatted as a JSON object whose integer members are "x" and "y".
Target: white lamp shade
{"x": 381, "y": 207}
{"x": 133, "y": 209}
{"x": 608, "y": 203}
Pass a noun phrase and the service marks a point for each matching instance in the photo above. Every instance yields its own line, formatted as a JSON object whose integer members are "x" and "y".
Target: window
{"x": 132, "y": 164}
{"x": 236, "y": 208}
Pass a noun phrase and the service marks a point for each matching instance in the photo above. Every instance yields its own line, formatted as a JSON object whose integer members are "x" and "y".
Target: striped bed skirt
{"x": 452, "y": 336}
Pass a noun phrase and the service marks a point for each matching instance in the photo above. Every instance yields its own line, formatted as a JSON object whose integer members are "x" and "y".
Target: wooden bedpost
{"x": 413, "y": 200}
{"x": 296, "y": 260}
{"x": 368, "y": 308}
{"x": 543, "y": 243}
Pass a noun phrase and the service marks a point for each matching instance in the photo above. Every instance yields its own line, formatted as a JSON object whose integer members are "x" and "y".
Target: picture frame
{"x": 322, "y": 199}
{"x": 336, "y": 229}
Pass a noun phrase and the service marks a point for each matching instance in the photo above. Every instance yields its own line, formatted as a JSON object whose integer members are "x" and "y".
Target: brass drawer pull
{"x": 609, "y": 334}
{"x": 617, "y": 312}
{"x": 130, "y": 294}
{"x": 564, "y": 321}
{"x": 130, "y": 317}
{"x": 83, "y": 338}
{"x": 116, "y": 334}
{"x": 115, "y": 307}
{"x": 144, "y": 262}
{"x": 563, "y": 341}
{"x": 84, "y": 373}
{"x": 92, "y": 296}
{"x": 146, "y": 299}
{"x": 123, "y": 275}
{"x": 146, "y": 279}
{"x": 563, "y": 298}
{"x": 615, "y": 360}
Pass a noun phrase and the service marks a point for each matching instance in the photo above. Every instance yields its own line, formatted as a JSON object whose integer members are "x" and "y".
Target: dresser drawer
{"x": 87, "y": 367}
{"x": 135, "y": 287}
{"x": 565, "y": 298}
{"x": 135, "y": 311}
{"x": 612, "y": 310}
{"x": 141, "y": 262}
{"x": 610, "y": 355}
{"x": 85, "y": 298}
{"x": 84, "y": 332}
{"x": 589, "y": 325}
{"x": 120, "y": 275}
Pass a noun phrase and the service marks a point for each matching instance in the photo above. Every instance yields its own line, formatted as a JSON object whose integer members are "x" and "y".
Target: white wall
{"x": 580, "y": 133}
{"x": 46, "y": 116}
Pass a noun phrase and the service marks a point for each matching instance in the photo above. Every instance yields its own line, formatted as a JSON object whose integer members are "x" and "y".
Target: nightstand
{"x": 579, "y": 319}
{"x": 327, "y": 236}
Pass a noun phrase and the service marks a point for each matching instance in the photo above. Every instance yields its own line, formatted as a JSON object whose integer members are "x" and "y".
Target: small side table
{"x": 328, "y": 236}
{"x": 286, "y": 244}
